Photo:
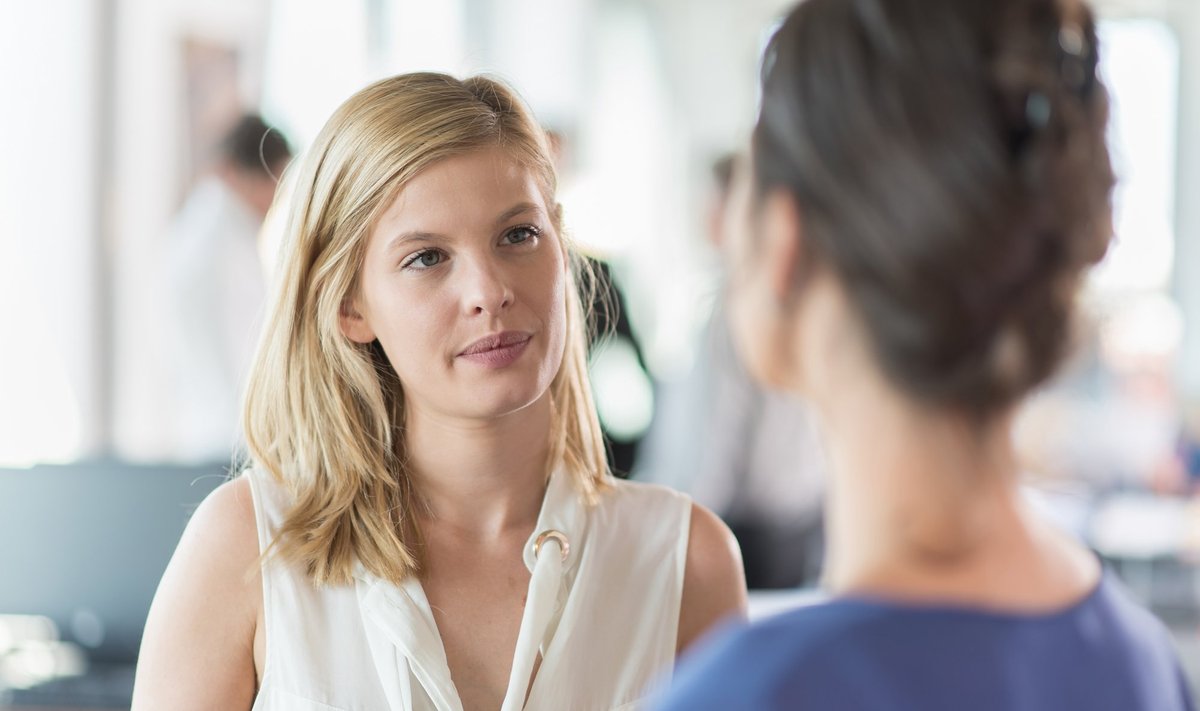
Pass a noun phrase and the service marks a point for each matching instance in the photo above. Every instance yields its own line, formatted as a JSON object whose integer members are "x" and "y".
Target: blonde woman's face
{"x": 463, "y": 284}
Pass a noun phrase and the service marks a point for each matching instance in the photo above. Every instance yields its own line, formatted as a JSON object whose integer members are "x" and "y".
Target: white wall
{"x": 690, "y": 66}
{"x": 49, "y": 248}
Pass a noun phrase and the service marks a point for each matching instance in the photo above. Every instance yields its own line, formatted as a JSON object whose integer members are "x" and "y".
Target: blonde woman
{"x": 428, "y": 521}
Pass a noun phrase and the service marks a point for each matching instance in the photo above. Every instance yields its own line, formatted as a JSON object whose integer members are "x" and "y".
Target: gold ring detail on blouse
{"x": 563, "y": 544}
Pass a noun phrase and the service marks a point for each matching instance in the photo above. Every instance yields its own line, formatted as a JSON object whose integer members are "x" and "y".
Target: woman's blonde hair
{"x": 324, "y": 415}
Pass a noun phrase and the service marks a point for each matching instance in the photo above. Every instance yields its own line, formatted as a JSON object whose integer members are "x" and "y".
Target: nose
{"x": 487, "y": 288}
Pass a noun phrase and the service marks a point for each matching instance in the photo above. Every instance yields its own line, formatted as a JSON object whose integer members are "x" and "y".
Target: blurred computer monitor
{"x": 85, "y": 545}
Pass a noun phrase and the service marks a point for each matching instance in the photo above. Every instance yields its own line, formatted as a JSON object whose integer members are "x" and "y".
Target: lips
{"x": 497, "y": 351}
{"x": 496, "y": 341}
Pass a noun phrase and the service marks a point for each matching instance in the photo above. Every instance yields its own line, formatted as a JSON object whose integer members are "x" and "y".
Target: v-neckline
{"x": 406, "y": 615}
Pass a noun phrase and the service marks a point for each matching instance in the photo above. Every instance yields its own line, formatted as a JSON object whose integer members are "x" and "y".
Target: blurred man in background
{"x": 216, "y": 287}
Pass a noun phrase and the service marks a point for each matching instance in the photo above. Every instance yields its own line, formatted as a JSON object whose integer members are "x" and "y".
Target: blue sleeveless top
{"x": 1102, "y": 654}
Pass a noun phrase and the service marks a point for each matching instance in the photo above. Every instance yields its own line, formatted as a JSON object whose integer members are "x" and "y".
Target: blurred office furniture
{"x": 82, "y": 548}
{"x": 1153, "y": 543}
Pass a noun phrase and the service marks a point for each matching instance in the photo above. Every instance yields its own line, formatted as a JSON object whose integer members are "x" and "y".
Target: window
{"x": 48, "y": 241}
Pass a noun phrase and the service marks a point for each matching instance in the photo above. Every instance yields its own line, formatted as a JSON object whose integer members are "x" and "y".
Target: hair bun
{"x": 952, "y": 170}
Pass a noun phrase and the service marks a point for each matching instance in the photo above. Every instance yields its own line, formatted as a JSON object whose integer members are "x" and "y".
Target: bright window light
{"x": 1140, "y": 65}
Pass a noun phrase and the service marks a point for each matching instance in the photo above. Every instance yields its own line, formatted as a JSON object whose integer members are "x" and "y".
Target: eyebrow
{"x": 422, "y": 236}
{"x": 412, "y": 236}
{"x": 518, "y": 209}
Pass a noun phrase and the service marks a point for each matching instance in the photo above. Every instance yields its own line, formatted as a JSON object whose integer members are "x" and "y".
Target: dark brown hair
{"x": 255, "y": 146}
{"x": 949, "y": 162}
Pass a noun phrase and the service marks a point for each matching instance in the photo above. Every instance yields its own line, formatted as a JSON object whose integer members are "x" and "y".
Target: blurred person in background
{"x": 216, "y": 287}
{"x": 612, "y": 328}
{"x": 928, "y": 185}
{"x": 427, "y": 520}
{"x": 750, "y": 454}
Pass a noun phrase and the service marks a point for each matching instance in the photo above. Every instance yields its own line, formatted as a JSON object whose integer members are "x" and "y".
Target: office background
{"x": 111, "y": 111}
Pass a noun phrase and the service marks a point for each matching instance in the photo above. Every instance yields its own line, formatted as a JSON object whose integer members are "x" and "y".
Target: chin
{"x": 750, "y": 351}
{"x": 769, "y": 366}
{"x": 488, "y": 406}
{"x": 761, "y": 353}
{"x": 503, "y": 394}
{"x": 760, "y": 370}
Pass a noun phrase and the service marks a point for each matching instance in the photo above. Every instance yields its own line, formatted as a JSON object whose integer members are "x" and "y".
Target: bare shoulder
{"x": 220, "y": 543}
{"x": 226, "y": 519}
{"x": 198, "y": 647}
{"x": 714, "y": 583}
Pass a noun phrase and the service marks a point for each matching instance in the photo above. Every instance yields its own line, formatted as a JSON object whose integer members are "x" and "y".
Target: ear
{"x": 352, "y": 323}
{"x": 783, "y": 241}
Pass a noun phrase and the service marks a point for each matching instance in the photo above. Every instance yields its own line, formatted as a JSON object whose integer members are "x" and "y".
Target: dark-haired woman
{"x": 928, "y": 183}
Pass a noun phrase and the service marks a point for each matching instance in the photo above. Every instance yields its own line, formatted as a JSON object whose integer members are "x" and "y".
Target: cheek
{"x": 743, "y": 308}
{"x": 408, "y": 323}
{"x": 541, "y": 289}
{"x": 759, "y": 330}
{"x": 746, "y": 329}
{"x": 758, "y": 323}
{"x": 550, "y": 304}
{"x": 735, "y": 221}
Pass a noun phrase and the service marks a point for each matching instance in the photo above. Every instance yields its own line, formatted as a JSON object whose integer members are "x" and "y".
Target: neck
{"x": 924, "y": 506}
{"x": 484, "y": 478}
{"x": 925, "y": 493}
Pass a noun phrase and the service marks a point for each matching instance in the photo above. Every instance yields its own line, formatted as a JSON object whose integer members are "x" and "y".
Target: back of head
{"x": 325, "y": 414}
{"x": 255, "y": 147}
{"x": 948, "y": 159}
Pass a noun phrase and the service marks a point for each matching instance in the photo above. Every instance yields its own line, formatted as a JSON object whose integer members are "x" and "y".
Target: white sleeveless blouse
{"x": 604, "y": 616}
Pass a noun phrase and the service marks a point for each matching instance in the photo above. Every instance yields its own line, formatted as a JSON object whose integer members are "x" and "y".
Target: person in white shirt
{"x": 427, "y": 520}
{"x": 216, "y": 288}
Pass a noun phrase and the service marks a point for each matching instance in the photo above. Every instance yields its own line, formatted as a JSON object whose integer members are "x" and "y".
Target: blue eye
{"x": 522, "y": 234}
{"x": 424, "y": 259}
